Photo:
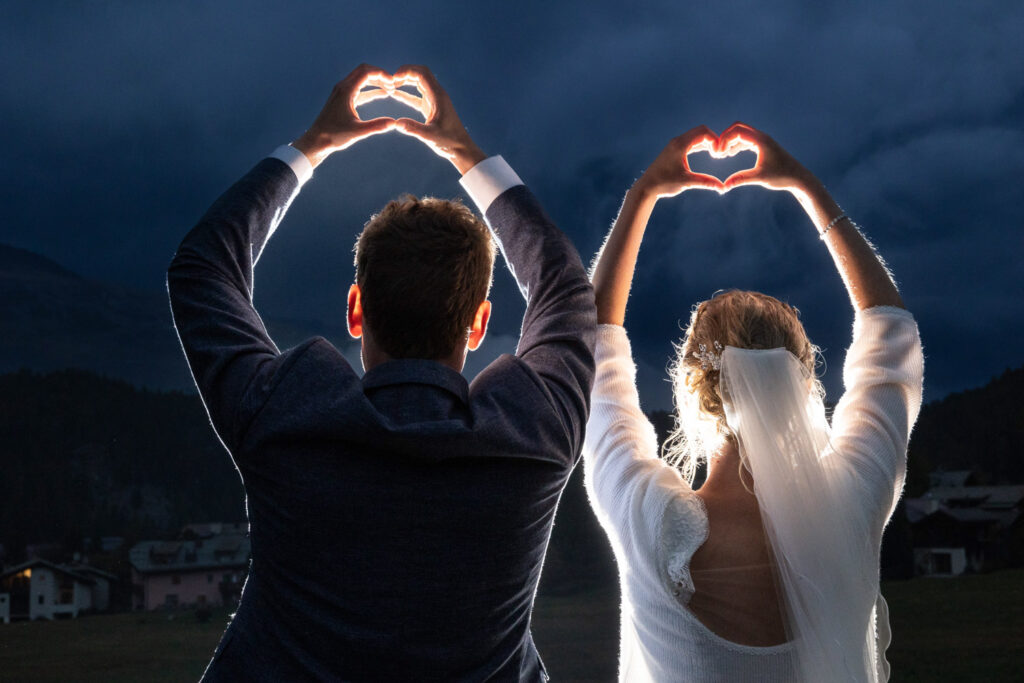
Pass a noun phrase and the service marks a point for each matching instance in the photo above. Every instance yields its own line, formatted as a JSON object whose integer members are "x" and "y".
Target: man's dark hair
{"x": 423, "y": 267}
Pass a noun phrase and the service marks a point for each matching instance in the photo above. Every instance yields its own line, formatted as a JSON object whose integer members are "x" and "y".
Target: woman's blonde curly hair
{"x": 742, "y": 319}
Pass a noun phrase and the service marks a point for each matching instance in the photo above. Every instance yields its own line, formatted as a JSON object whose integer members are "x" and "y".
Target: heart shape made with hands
{"x": 720, "y": 151}
{"x": 405, "y": 89}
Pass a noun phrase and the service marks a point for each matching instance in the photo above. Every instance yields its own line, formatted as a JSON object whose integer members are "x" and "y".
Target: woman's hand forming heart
{"x": 670, "y": 173}
{"x": 775, "y": 168}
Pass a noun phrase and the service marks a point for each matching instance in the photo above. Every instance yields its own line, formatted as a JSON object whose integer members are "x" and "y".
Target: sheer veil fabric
{"x": 815, "y": 516}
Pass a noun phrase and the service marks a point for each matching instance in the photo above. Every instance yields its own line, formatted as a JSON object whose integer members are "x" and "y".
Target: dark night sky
{"x": 123, "y": 121}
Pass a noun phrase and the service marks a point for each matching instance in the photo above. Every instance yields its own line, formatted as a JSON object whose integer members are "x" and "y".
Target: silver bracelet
{"x": 831, "y": 223}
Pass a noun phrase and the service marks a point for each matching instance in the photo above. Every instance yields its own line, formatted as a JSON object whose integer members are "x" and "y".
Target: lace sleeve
{"x": 684, "y": 528}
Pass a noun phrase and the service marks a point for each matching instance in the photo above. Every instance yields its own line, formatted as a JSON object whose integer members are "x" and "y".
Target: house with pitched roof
{"x": 40, "y": 589}
{"x": 958, "y": 527}
{"x": 205, "y": 566}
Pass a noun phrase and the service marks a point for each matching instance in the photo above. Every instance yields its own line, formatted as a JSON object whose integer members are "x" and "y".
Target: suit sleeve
{"x": 210, "y": 283}
{"x": 558, "y": 332}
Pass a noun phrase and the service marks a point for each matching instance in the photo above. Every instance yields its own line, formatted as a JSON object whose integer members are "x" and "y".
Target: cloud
{"x": 123, "y": 121}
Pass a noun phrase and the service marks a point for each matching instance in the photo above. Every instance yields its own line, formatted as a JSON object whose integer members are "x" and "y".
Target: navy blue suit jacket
{"x": 398, "y": 521}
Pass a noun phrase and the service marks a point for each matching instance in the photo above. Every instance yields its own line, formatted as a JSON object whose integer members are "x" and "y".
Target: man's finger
{"x": 379, "y": 80}
{"x": 419, "y": 72}
{"x": 364, "y": 71}
{"x": 420, "y": 104}
{"x": 365, "y": 96}
{"x": 381, "y": 124}
{"x": 421, "y": 77}
{"x": 414, "y": 128}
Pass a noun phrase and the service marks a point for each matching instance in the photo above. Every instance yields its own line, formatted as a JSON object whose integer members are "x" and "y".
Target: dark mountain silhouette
{"x": 86, "y": 455}
{"x": 979, "y": 429}
{"x": 82, "y": 455}
{"x": 52, "y": 318}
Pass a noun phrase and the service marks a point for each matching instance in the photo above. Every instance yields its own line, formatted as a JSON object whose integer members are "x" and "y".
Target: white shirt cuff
{"x": 296, "y": 160}
{"x": 487, "y": 180}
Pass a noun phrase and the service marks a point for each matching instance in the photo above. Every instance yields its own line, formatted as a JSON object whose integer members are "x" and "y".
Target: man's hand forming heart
{"x": 441, "y": 129}
{"x": 338, "y": 125}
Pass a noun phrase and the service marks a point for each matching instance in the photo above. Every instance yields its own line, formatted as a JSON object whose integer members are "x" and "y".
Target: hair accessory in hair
{"x": 709, "y": 359}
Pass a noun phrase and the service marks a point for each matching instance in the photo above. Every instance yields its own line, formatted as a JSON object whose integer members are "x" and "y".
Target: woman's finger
{"x": 750, "y": 176}
{"x": 703, "y": 181}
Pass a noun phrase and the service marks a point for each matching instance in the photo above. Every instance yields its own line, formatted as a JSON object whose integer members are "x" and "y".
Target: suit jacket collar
{"x": 417, "y": 371}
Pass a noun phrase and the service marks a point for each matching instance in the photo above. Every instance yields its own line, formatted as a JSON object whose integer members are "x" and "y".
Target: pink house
{"x": 206, "y": 567}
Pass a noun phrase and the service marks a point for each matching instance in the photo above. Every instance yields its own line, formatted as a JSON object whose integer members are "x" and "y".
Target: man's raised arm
{"x": 559, "y": 326}
{"x": 210, "y": 279}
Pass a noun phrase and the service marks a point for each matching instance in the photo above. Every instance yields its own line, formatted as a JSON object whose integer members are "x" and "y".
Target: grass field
{"x": 965, "y": 629}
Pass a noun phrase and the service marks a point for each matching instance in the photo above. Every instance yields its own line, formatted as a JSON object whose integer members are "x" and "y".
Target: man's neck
{"x": 372, "y": 356}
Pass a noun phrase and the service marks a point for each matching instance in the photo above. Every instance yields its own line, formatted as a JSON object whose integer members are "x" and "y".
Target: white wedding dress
{"x": 825, "y": 495}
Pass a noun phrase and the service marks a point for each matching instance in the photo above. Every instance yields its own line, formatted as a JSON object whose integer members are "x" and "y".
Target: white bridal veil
{"x": 815, "y": 519}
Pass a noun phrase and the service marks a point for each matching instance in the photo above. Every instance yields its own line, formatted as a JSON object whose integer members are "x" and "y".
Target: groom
{"x": 398, "y": 521}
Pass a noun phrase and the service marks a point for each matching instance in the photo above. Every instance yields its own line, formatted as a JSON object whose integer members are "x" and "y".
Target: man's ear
{"x": 355, "y": 312}
{"x": 479, "y": 329}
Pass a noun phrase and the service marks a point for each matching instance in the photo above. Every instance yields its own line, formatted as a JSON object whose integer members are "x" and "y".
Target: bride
{"x": 768, "y": 571}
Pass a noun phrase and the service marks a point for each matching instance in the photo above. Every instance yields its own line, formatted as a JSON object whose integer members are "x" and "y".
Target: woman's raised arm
{"x": 867, "y": 280}
{"x": 667, "y": 176}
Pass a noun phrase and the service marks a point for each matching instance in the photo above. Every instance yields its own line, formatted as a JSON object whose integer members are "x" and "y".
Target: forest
{"x": 87, "y": 456}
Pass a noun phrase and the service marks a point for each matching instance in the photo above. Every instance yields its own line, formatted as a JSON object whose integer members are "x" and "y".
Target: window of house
{"x": 41, "y": 599}
{"x": 209, "y": 578}
{"x": 175, "y": 579}
{"x": 67, "y": 592}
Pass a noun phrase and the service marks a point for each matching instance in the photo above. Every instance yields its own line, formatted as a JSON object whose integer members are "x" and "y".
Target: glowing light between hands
{"x": 378, "y": 86}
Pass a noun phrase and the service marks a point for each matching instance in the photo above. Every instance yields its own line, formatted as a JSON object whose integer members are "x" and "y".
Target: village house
{"x": 40, "y": 589}
{"x": 205, "y": 566}
{"x": 958, "y": 526}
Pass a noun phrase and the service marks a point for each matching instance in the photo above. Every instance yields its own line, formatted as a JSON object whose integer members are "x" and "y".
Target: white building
{"x": 39, "y": 589}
